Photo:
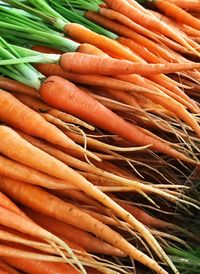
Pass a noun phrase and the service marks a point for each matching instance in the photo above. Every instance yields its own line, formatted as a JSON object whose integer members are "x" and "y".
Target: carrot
{"x": 15, "y": 86}
{"x": 88, "y": 79}
{"x": 178, "y": 96}
{"x": 11, "y": 219}
{"x": 7, "y": 251}
{"x": 84, "y": 239}
{"x": 8, "y": 204}
{"x": 146, "y": 20}
{"x": 102, "y": 117}
{"x": 70, "y": 214}
{"x": 29, "y": 175}
{"x": 39, "y": 267}
{"x": 42, "y": 161}
{"x": 192, "y": 5}
{"x": 91, "y": 64}
{"x": 177, "y": 13}
{"x": 7, "y": 267}
{"x": 16, "y": 114}
{"x": 122, "y": 19}
{"x": 2, "y": 271}
{"x": 128, "y": 33}
{"x": 84, "y": 35}
{"x": 170, "y": 104}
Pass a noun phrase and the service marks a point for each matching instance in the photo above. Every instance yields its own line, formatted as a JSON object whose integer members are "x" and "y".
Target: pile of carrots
{"x": 100, "y": 128}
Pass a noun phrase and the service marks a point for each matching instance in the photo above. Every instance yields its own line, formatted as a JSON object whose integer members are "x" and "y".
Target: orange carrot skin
{"x": 18, "y": 115}
{"x": 178, "y": 13}
{"x": 85, "y": 35}
{"x": 7, "y": 267}
{"x": 46, "y": 49}
{"x": 87, "y": 79}
{"x": 90, "y": 110}
{"x": 91, "y": 64}
{"x": 142, "y": 18}
{"x": 14, "y": 86}
{"x": 86, "y": 240}
{"x": 40, "y": 267}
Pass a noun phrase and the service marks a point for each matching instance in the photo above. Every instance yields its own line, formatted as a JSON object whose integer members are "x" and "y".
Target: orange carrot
{"x": 192, "y": 5}
{"x": 128, "y": 33}
{"x": 70, "y": 214}
{"x": 146, "y": 20}
{"x": 18, "y": 115}
{"x": 13, "y": 220}
{"x": 178, "y": 13}
{"x": 7, "y": 267}
{"x": 91, "y": 64}
{"x": 39, "y": 267}
{"x": 170, "y": 104}
{"x": 88, "y": 79}
{"x": 8, "y": 204}
{"x": 18, "y": 252}
{"x": 29, "y": 175}
{"x": 122, "y": 19}
{"x": 84, "y": 104}
{"x": 84, "y": 35}
{"x": 86, "y": 240}
{"x": 42, "y": 161}
{"x": 14, "y": 86}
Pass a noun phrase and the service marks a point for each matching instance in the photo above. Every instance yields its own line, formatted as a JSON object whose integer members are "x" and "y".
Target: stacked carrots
{"x": 99, "y": 135}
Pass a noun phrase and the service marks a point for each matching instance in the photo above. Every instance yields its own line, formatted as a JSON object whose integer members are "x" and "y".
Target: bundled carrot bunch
{"x": 99, "y": 151}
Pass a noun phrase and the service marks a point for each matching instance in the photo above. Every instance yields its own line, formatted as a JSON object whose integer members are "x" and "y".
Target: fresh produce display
{"x": 99, "y": 136}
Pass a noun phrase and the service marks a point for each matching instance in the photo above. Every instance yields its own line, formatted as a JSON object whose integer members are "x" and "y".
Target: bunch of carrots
{"x": 100, "y": 129}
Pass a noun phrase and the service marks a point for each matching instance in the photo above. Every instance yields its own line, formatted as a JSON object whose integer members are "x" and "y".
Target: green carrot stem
{"x": 75, "y": 17}
{"x": 40, "y": 58}
{"x": 32, "y": 83}
{"x": 57, "y": 22}
{"x": 38, "y": 36}
{"x": 6, "y": 51}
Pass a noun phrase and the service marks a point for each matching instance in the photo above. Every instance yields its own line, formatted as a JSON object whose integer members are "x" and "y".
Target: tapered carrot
{"x": 8, "y": 251}
{"x": 92, "y": 64}
{"x": 88, "y": 79}
{"x": 14, "y": 86}
{"x": 128, "y": 33}
{"x": 7, "y": 267}
{"x": 29, "y": 175}
{"x": 86, "y": 240}
{"x": 39, "y": 267}
{"x": 178, "y": 13}
{"x": 192, "y": 5}
{"x": 70, "y": 214}
{"x": 40, "y": 160}
{"x": 84, "y": 35}
{"x": 178, "y": 97}
{"x": 148, "y": 21}
{"x": 82, "y": 109}
{"x": 122, "y": 19}
{"x": 10, "y": 219}
{"x": 170, "y": 104}
{"x": 18, "y": 115}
